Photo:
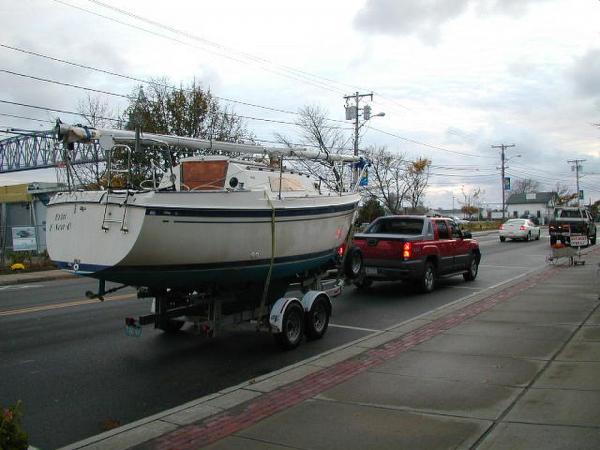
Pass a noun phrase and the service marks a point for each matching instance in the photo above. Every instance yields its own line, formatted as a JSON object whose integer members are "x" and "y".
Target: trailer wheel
{"x": 317, "y": 319}
{"x": 170, "y": 325}
{"x": 502, "y": 238}
{"x": 353, "y": 264}
{"x": 292, "y": 327}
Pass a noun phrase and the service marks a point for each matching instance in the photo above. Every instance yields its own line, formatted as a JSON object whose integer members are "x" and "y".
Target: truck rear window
{"x": 397, "y": 226}
{"x": 569, "y": 213}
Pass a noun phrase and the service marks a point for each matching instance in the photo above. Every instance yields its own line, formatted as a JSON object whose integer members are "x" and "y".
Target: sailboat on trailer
{"x": 211, "y": 221}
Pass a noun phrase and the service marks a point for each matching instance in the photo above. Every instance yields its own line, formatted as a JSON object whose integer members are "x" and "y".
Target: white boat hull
{"x": 173, "y": 239}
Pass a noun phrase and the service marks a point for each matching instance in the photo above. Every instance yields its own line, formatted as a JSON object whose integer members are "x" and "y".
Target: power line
{"x": 141, "y": 80}
{"x": 131, "y": 97}
{"x": 145, "y": 30}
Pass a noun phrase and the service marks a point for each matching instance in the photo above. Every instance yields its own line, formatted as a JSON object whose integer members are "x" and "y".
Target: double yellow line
{"x": 14, "y": 312}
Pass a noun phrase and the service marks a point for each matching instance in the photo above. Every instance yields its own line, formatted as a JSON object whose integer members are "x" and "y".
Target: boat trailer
{"x": 288, "y": 319}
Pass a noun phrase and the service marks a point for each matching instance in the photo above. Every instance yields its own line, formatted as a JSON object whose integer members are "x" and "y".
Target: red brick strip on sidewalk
{"x": 240, "y": 417}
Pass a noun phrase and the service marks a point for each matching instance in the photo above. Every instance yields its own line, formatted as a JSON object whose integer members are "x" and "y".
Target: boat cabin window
{"x": 288, "y": 184}
{"x": 203, "y": 175}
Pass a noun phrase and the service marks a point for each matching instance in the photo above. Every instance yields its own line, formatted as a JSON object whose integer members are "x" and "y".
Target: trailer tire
{"x": 292, "y": 327}
{"x": 170, "y": 326}
{"x": 317, "y": 319}
{"x": 353, "y": 263}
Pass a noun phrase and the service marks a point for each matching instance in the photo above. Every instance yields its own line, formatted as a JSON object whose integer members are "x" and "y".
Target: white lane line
{"x": 466, "y": 287}
{"x": 504, "y": 267}
{"x": 370, "y": 330}
{"x": 16, "y": 287}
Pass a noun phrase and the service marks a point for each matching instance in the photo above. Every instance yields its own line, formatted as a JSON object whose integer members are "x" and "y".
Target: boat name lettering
{"x": 60, "y": 216}
{"x": 60, "y": 227}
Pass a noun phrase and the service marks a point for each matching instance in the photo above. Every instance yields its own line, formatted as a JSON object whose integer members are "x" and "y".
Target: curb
{"x": 7, "y": 280}
{"x": 204, "y": 420}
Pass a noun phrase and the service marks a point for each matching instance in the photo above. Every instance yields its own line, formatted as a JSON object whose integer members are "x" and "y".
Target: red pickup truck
{"x": 419, "y": 249}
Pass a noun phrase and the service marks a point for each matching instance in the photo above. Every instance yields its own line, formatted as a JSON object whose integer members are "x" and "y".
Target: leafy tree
{"x": 186, "y": 111}
{"x": 369, "y": 211}
{"x": 416, "y": 179}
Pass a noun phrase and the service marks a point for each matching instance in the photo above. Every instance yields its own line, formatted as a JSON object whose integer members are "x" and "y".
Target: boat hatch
{"x": 203, "y": 175}
{"x": 288, "y": 184}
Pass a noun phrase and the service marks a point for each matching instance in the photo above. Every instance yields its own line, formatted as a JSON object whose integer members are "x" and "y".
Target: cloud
{"x": 586, "y": 74}
{"x": 425, "y": 18}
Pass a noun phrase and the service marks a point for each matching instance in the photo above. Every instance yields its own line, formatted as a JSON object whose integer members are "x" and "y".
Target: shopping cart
{"x": 571, "y": 252}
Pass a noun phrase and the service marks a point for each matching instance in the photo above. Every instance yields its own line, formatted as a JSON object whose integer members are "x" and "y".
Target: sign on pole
{"x": 507, "y": 183}
{"x": 24, "y": 239}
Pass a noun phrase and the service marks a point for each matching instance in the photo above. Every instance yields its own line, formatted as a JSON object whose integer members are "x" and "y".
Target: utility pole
{"x": 577, "y": 167}
{"x": 352, "y": 112}
{"x": 502, "y": 168}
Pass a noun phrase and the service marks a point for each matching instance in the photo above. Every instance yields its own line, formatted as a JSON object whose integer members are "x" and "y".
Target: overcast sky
{"x": 454, "y": 77}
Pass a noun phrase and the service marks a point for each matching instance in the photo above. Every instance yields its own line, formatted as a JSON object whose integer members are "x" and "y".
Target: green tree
{"x": 186, "y": 111}
{"x": 369, "y": 211}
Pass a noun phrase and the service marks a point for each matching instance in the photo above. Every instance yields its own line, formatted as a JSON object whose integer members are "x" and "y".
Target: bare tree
{"x": 317, "y": 132}
{"x": 387, "y": 180}
{"x": 471, "y": 201}
{"x": 563, "y": 194}
{"x": 526, "y": 186}
{"x": 96, "y": 113}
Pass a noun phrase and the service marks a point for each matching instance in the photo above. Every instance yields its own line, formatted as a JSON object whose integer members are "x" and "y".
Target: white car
{"x": 519, "y": 229}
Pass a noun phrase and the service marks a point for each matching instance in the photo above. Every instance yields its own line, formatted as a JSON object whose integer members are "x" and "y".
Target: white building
{"x": 536, "y": 204}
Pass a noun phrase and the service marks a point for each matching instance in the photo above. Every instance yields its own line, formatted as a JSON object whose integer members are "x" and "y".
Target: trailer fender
{"x": 278, "y": 311}
{"x": 310, "y": 297}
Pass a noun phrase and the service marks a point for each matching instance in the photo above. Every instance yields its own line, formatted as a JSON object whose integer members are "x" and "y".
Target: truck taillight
{"x": 407, "y": 250}
{"x": 501, "y": 226}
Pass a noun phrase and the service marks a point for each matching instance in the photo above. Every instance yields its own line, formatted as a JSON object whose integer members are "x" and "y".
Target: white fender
{"x": 310, "y": 297}
{"x": 278, "y": 311}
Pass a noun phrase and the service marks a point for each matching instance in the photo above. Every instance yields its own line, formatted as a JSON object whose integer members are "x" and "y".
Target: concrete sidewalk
{"x": 517, "y": 367}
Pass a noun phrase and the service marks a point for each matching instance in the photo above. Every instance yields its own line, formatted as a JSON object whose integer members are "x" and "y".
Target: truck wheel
{"x": 292, "y": 327}
{"x": 353, "y": 264}
{"x": 317, "y": 319}
{"x": 473, "y": 269}
{"x": 170, "y": 325}
{"x": 427, "y": 281}
{"x": 502, "y": 238}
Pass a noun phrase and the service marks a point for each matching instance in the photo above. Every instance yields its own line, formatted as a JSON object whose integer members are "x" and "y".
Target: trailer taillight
{"x": 341, "y": 250}
{"x": 407, "y": 250}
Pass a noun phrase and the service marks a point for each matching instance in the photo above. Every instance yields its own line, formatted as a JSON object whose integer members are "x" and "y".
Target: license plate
{"x": 579, "y": 241}
{"x": 371, "y": 270}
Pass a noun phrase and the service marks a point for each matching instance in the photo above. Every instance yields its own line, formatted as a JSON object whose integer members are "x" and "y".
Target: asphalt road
{"x": 78, "y": 374}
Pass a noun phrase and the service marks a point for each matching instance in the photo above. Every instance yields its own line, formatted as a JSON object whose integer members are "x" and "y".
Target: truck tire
{"x": 317, "y": 319}
{"x": 428, "y": 279}
{"x": 353, "y": 263}
{"x": 170, "y": 326}
{"x": 502, "y": 238}
{"x": 473, "y": 269}
{"x": 292, "y": 327}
